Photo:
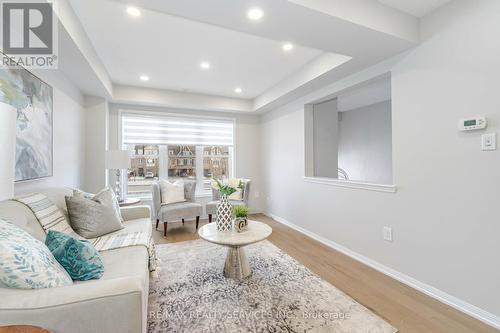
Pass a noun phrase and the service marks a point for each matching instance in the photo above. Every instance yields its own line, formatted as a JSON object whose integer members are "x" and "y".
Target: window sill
{"x": 149, "y": 198}
{"x": 352, "y": 184}
{"x": 203, "y": 195}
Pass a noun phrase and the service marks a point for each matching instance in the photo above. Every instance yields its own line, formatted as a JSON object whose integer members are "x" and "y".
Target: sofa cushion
{"x": 20, "y": 215}
{"x": 143, "y": 225}
{"x": 26, "y": 263}
{"x": 180, "y": 210}
{"x": 78, "y": 257}
{"x": 135, "y": 265}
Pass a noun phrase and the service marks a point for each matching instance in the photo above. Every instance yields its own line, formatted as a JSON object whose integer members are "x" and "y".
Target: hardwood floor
{"x": 405, "y": 308}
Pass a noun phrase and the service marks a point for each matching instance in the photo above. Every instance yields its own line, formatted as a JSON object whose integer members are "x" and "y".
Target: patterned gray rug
{"x": 191, "y": 295}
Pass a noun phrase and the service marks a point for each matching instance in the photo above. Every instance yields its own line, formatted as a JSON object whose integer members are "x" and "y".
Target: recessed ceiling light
{"x": 238, "y": 90}
{"x": 205, "y": 65}
{"x": 144, "y": 78}
{"x": 287, "y": 47}
{"x": 133, "y": 11}
{"x": 255, "y": 13}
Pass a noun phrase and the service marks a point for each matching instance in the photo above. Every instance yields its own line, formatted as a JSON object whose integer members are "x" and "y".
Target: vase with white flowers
{"x": 223, "y": 216}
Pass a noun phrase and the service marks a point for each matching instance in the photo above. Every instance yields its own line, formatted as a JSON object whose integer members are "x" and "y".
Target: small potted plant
{"x": 240, "y": 221}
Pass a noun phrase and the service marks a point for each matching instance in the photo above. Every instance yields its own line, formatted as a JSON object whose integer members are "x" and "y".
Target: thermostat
{"x": 471, "y": 124}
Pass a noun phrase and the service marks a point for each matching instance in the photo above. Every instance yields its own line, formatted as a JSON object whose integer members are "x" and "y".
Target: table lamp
{"x": 117, "y": 160}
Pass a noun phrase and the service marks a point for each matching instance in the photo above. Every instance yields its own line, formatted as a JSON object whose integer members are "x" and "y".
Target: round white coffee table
{"x": 236, "y": 266}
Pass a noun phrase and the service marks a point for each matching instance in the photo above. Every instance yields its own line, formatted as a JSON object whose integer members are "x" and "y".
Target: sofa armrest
{"x": 23, "y": 299}
{"x": 136, "y": 212}
{"x": 98, "y": 305}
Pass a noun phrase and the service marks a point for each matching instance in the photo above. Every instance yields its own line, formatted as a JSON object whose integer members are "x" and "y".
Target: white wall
{"x": 325, "y": 139}
{"x": 96, "y": 127}
{"x": 69, "y": 136}
{"x": 444, "y": 215}
{"x": 247, "y": 144}
{"x": 365, "y": 143}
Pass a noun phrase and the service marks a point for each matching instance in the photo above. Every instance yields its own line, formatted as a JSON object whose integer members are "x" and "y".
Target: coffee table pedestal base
{"x": 236, "y": 266}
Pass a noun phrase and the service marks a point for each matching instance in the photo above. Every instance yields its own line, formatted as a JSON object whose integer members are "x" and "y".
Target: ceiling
{"x": 417, "y": 8}
{"x": 169, "y": 49}
{"x": 332, "y": 39}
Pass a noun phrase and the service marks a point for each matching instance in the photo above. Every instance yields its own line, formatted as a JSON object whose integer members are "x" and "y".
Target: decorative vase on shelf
{"x": 224, "y": 217}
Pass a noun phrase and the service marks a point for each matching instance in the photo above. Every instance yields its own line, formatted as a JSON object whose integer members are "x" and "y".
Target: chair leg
{"x": 182, "y": 221}
{"x": 165, "y": 229}
{"x": 197, "y": 222}
{"x": 157, "y": 222}
{"x": 209, "y": 218}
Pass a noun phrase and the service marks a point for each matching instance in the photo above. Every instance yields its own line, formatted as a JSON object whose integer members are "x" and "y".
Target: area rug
{"x": 190, "y": 294}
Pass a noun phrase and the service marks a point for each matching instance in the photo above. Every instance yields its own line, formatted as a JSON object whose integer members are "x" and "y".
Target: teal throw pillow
{"x": 78, "y": 257}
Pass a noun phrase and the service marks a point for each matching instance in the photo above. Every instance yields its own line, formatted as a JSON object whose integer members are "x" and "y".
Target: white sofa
{"x": 115, "y": 303}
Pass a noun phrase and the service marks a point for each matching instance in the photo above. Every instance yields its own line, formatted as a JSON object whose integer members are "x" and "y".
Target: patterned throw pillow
{"x": 26, "y": 263}
{"x": 80, "y": 259}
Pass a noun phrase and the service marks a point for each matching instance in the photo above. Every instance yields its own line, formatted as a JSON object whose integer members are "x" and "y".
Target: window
{"x": 349, "y": 136}
{"x": 181, "y": 162}
{"x": 216, "y": 163}
{"x": 174, "y": 148}
{"x": 144, "y": 169}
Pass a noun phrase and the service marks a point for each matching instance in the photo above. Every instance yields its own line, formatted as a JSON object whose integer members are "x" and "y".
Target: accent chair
{"x": 179, "y": 210}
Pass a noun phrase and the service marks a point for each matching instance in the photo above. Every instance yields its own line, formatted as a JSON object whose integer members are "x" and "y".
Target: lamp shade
{"x": 8, "y": 116}
{"x": 117, "y": 159}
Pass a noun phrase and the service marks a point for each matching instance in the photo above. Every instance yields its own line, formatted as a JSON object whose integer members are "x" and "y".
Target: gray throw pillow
{"x": 108, "y": 197}
{"x": 105, "y": 196}
{"x": 91, "y": 218}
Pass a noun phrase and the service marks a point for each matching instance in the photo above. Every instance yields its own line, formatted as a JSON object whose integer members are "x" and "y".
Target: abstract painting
{"x": 33, "y": 100}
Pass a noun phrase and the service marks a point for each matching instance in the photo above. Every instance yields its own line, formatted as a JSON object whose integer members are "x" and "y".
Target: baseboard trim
{"x": 467, "y": 308}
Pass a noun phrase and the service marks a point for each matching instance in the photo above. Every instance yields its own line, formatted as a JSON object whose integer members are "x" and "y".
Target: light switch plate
{"x": 387, "y": 233}
{"x": 489, "y": 141}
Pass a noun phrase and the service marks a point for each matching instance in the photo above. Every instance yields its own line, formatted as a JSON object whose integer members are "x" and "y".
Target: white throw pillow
{"x": 27, "y": 263}
{"x": 238, "y": 195}
{"x": 172, "y": 192}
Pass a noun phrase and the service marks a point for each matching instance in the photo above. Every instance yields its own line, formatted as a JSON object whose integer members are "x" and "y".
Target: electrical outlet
{"x": 387, "y": 233}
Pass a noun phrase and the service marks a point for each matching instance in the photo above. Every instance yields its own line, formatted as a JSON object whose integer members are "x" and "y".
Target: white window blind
{"x": 164, "y": 130}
